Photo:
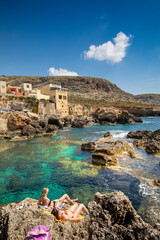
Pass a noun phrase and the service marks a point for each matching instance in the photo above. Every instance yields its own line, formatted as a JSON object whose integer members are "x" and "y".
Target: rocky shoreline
{"x": 17, "y": 126}
{"x": 111, "y": 216}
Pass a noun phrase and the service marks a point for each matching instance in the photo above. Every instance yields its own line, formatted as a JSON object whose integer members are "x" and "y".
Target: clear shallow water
{"x": 58, "y": 163}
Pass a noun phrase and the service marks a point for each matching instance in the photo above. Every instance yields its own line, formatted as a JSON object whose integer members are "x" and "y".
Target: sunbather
{"x": 45, "y": 201}
{"x": 71, "y": 214}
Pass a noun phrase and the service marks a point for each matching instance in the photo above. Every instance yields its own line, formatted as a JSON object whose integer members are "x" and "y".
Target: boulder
{"x": 28, "y": 131}
{"x": 42, "y": 123}
{"x": 53, "y": 120}
{"x": 33, "y": 116}
{"x": 114, "y": 218}
{"x": 125, "y": 118}
{"x": 102, "y": 159}
{"x": 153, "y": 147}
{"x": 106, "y": 114}
{"x": 51, "y": 128}
{"x": 139, "y": 134}
{"x": 78, "y": 123}
{"x": 107, "y": 135}
{"x": 115, "y": 148}
{"x": 90, "y": 146}
{"x": 17, "y": 121}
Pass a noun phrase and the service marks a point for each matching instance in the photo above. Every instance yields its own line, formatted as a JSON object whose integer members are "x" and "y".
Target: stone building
{"x": 59, "y": 96}
{"x": 26, "y": 88}
{"x": 2, "y": 88}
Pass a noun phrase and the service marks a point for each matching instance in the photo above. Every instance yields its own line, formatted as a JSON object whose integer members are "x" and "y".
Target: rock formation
{"x": 112, "y": 216}
{"x": 148, "y": 140}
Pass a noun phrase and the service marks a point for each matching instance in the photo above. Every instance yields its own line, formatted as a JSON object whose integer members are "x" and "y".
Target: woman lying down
{"x": 71, "y": 214}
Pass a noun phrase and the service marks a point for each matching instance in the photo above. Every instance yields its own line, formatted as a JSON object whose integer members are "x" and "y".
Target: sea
{"x": 58, "y": 163}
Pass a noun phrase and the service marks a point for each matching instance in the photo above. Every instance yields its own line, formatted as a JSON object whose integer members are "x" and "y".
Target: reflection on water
{"x": 58, "y": 163}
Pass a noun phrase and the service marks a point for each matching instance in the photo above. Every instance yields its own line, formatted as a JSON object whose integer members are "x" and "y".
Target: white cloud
{"x": 60, "y": 72}
{"x": 112, "y": 52}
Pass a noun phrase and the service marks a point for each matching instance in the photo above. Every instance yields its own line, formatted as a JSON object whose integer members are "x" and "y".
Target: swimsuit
{"x": 65, "y": 212}
{"x": 49, "y": 203}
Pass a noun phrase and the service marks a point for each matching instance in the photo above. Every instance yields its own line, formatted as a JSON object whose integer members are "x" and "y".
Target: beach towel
{"x": 56, "y": 220}
{"x": 38, "y": 233}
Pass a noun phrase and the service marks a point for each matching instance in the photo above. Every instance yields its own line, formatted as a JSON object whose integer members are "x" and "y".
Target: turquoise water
{"x": 59, "y": 164}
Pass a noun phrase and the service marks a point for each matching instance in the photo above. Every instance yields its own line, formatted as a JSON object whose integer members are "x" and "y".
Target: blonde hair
{"x": 45, "y": 192}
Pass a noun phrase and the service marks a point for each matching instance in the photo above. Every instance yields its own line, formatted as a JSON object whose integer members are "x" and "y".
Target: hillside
{"x": 84, "y": 90}
{"x": 152, "y": 99}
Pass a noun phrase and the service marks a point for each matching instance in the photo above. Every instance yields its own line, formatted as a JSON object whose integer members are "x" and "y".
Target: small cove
{"x": 58, "y": 163}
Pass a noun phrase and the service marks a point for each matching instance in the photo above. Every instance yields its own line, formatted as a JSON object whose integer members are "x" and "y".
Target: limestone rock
{"x": 33, "y": 116}
{"x": 14, "y": 223}
{"x": 125, "y": 117}
{"x": 103, "y": 159}
{"x": 139, "y": 134}
{"x": 28, "y": 131}
{"x": 156, "y": 182}
{"x": 113, "y": 217}
{"x": 107, "y": 135}
{"x": 90, "y": 146}
{"x": 17, "y": 121}
{"x": 78, "y": 123}
{"x": 53, "y": 120}
{"x": 3, "y": 125}
{"x": 148, "y": 140}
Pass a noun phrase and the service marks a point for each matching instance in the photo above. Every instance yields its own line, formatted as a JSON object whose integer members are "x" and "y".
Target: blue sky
{"x": 37, "y": 35}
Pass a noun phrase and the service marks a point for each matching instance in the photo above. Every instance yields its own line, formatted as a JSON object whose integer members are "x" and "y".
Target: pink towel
{"x": 38, "y": 233}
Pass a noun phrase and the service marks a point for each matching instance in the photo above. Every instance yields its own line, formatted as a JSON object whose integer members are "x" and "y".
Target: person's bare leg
{"x": 78, "y": 210}
{"x": 73, "y": 207}
{"x": 67, "y": 198}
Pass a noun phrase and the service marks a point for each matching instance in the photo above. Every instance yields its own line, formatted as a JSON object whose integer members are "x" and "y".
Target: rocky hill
{"x": 83, "y": 90}
{"x": 152, "y": 99}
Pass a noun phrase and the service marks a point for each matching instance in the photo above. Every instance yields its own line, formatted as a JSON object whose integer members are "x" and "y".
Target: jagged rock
{"x": 17, "y": 121}
{"x": 106, "y": 114}
{"x": 116, "y": 148}
{"x": 148, "y": 140}
{"x": 14, "y": 223}
{"x": 78, "y": 123}
{"x": 125, "y": 117}
{"x": 156, "y": 182}
{"x": 42, "y": 123}
{"x": 139, "y": 134}
{"x": 91, "y": 146}
{"x": 99, "y": 158}
{"x": 28, "y": 130}
{"x": 107, "y": 135}
{"x": 53, "y": 120}
{"x": 35, "y": 124}
{"x": 33, "y": 116}
{"x": 113, "y": 217}
{"x": 51, "y": 128}
{"x": 3, "y": 126}
{"x": 156, "y": 135}
{"x": 153, "y": 147}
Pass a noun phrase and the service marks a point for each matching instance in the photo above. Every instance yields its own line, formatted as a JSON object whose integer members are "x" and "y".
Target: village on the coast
{"x": 52, "y": 93}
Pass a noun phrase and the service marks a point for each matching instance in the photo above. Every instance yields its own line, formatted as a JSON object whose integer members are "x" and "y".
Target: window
{"x": 62, "y": 105}
{"x": 64, "y": 97}
{"x": 60, "y": 96}
{"x": 27, "y": 86}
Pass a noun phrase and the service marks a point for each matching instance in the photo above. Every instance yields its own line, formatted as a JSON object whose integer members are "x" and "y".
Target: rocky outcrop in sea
{"x": 148, "y": 140}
